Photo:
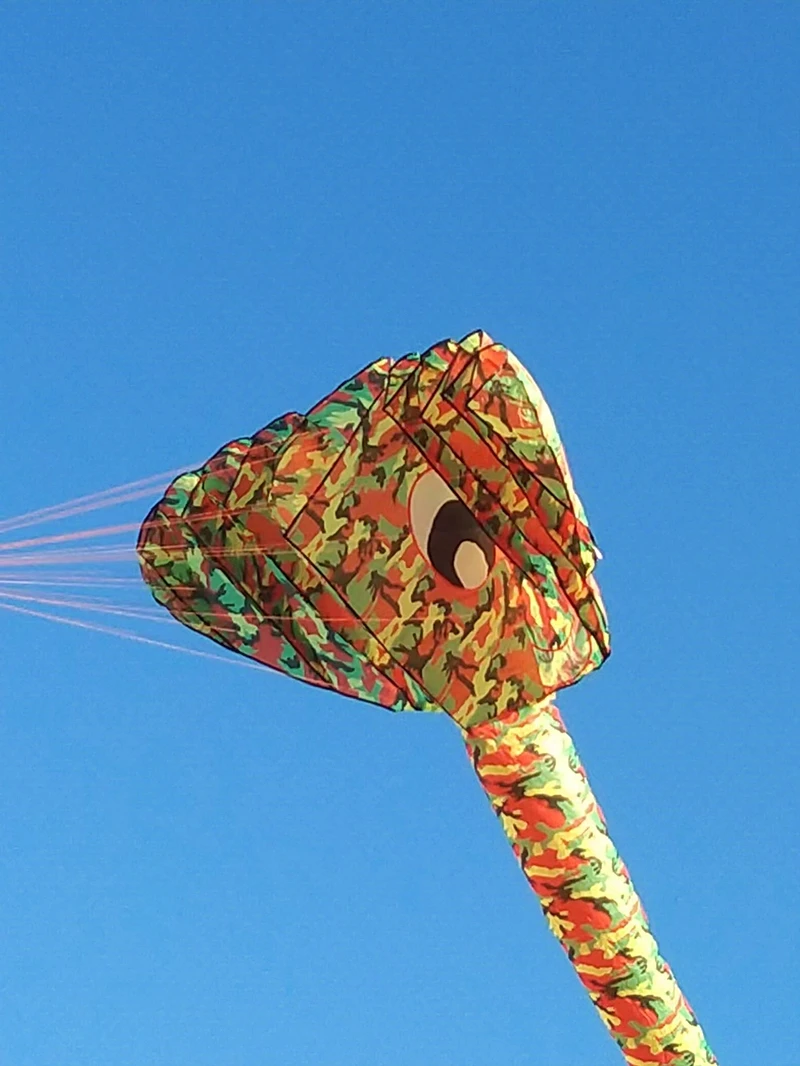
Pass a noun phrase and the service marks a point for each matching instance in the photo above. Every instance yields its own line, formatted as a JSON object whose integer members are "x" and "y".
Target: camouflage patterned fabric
{"x": 415, "y": 540}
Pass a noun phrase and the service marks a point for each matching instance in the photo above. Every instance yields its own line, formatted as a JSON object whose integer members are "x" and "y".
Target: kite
{"x": 416, "y": 541}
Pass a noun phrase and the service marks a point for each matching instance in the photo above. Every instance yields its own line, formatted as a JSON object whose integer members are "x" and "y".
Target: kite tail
{"x": 531, "y": 772}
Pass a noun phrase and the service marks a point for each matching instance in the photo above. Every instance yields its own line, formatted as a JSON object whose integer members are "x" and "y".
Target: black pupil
{"x": 455, "y": 523}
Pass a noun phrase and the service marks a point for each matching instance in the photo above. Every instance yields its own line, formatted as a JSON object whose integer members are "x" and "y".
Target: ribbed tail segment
{"x": 529, "y": 767}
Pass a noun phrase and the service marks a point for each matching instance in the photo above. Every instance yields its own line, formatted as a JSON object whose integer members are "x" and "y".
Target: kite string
{"x": 16, "y": 556}
{"x": 127, "y": 635}
{"x": 156, "y": 614}
{"x": 150, "y": 614}
{"x": 52, "y": 550}
{"x": 138, "y": 638}
{"x": 116, "y": 554}
{"x": 69, "y": 512}
{"x": 124, "y": 527}
{"x": 92, "y": 501}
{"x": 47, "y": 550}
{"x": 73, "y": 581}
{"x": 113, "y": 554}
{"x": 9, "y": 590}
{"x": 61, "y": 538}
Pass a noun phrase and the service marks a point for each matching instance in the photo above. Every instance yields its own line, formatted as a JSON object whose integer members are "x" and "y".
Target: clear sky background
{"x": 213, "y": 213}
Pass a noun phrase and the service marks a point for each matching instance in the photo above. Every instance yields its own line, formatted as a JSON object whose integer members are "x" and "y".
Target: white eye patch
{"x": 448, "y": 533}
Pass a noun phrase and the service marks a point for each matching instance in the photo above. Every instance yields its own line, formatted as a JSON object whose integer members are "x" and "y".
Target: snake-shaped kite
{"x": 415, "y": 540}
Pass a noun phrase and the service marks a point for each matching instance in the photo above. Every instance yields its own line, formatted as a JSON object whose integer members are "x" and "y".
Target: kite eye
{"x": 448, "y": 533}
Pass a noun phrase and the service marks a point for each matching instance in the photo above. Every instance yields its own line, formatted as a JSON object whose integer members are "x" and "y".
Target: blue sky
{"x": 211, "y": 214}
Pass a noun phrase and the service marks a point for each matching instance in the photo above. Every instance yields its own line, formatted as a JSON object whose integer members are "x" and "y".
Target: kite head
{"x": 415, "y": 540}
